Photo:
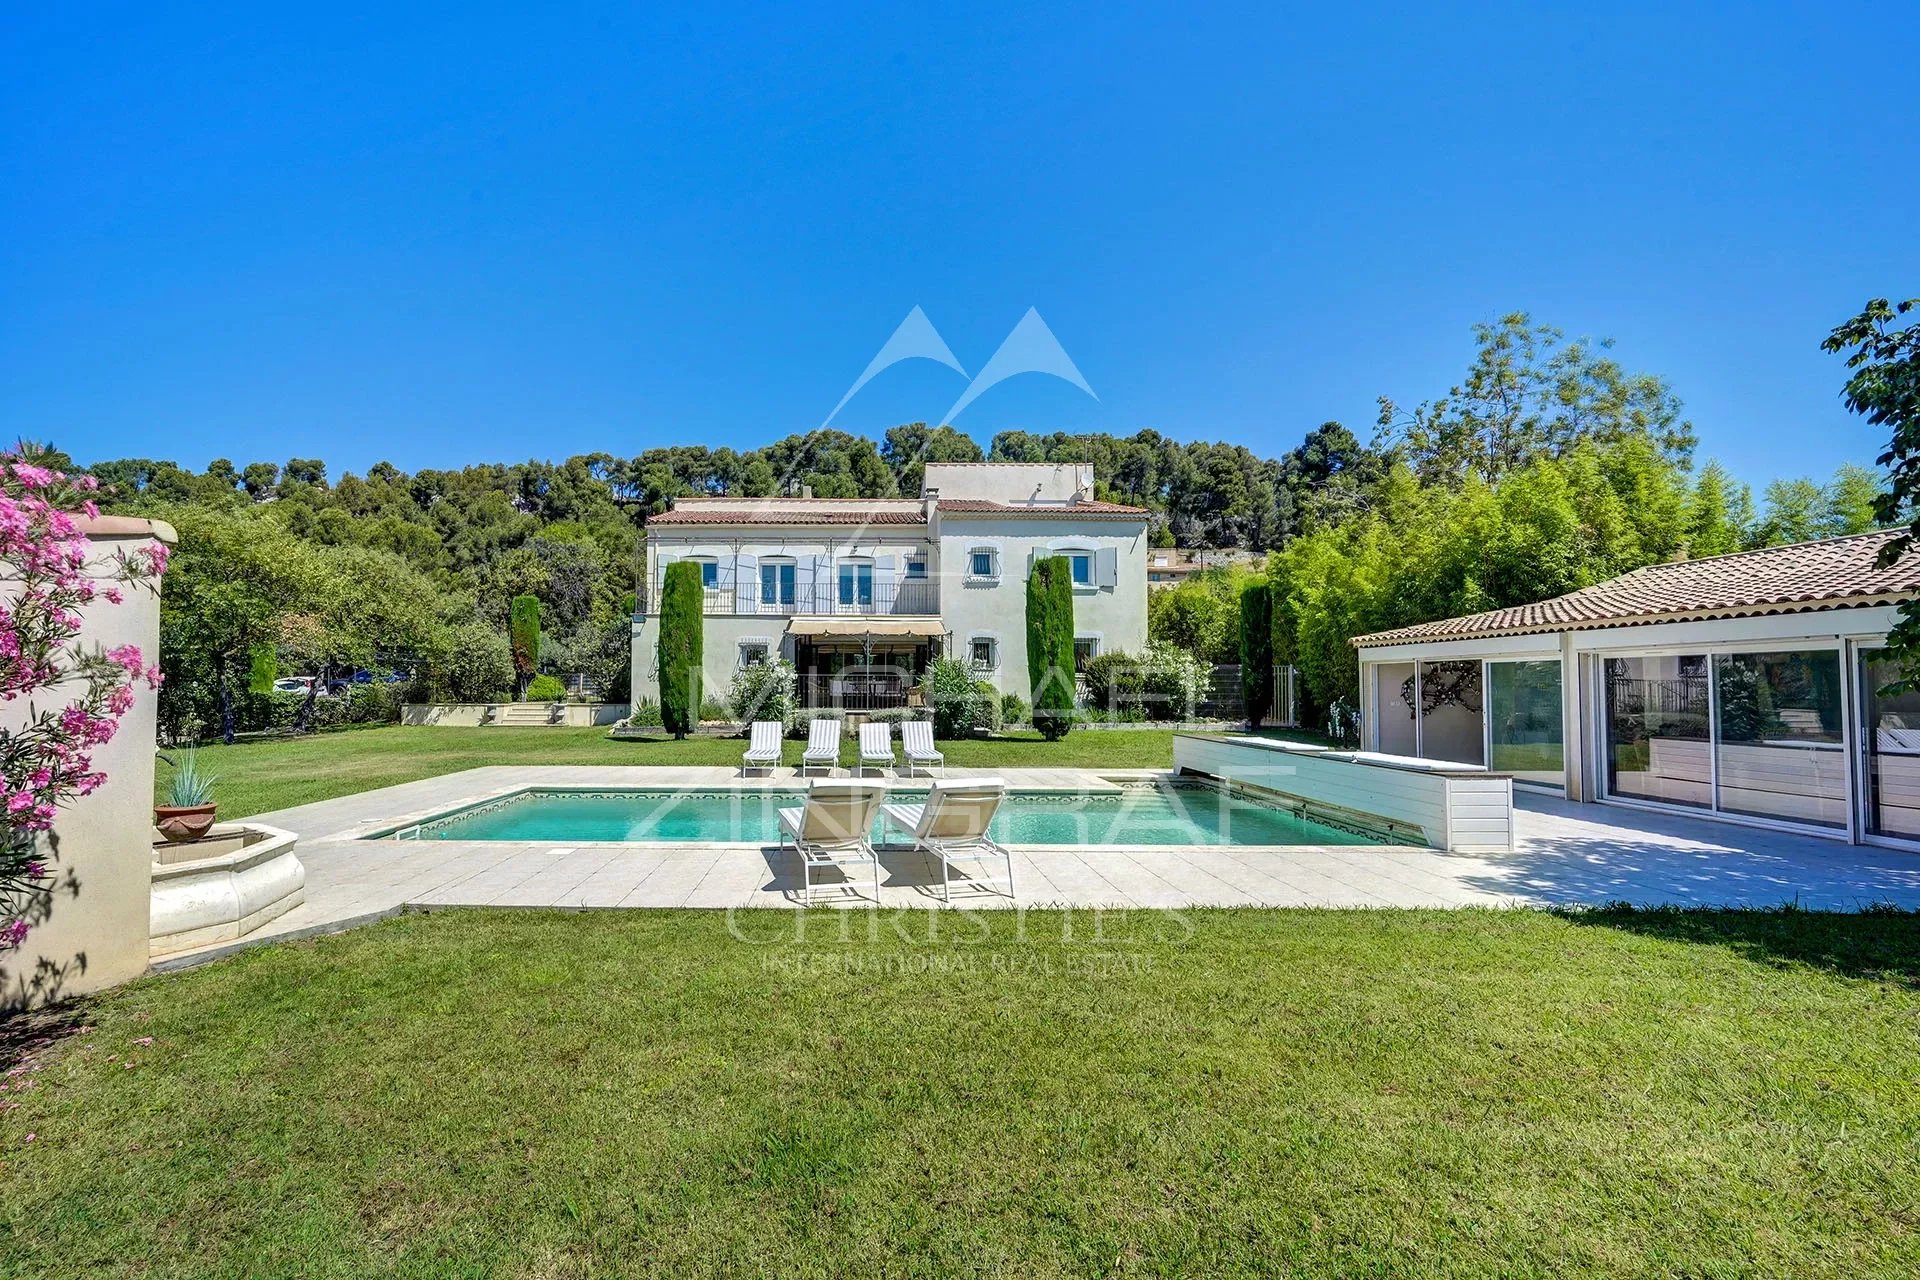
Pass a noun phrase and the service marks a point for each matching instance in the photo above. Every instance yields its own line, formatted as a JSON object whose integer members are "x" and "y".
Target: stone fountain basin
{"x": 223, "y": 886}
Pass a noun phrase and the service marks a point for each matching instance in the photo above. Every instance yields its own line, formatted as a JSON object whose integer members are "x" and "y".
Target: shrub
{"x": 475, "y": 665}
{"x": 523, "y": 627}
{"x": 545, "y": 689}
{"x": 645, "y": 714}
{"x": 1177, "y": 680}
{"x": 955, "y": 699}
{"x": 802, "y": 716}
{"x": 763, "y": 692}
{"x": 1115, "y": 680}
{"x": 896, "y": 715}
{"x": 1014, "y": 710}
{"x": 988, "y": 699}
{"x": 681, "y": 650}
{"x": 1256, "y": 650}
{"x": 712, "y": 708}
{"x": 1050, "y": 645}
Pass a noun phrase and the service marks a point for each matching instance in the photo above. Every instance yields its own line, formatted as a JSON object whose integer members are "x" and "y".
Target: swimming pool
{"x": 1167, "y": 813}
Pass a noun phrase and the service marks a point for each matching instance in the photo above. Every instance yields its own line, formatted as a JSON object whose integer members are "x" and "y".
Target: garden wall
{"x": 91, "y": 931}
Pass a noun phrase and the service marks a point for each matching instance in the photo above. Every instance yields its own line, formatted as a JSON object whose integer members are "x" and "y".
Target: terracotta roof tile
{"x": 787, "y": 513}
{"x": 1789, "y": 579}
{"x": 1064, "y": 511}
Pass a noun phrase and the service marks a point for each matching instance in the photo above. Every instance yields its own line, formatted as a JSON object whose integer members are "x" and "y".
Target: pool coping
{"x": 1098, "y": 782}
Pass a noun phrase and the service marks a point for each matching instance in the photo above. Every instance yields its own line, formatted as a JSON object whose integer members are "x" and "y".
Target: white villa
{"x": 1745, "y": 687}
{"x": 861, "y": 594}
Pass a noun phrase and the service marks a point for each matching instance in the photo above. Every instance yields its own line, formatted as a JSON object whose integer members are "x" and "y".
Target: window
{"x": 916, "y": 568}
{"x": 776, "y": 582}
{"x": 709, "y": 574}
{"x": 1658, "y": 742}
{"x": 753, "y": 653}
{"x": 981, "y": 652}
{"x": 856, "y": 585}
{"x": 1777, "y": 739}
{"x": 1082, "y": 562}
{"x": 1085, "y": 650}
{"x": 980, "y": 563}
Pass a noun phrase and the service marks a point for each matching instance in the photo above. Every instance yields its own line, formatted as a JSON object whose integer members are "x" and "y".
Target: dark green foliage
{"x": 1256, "y": 650}
{"x": 523, "y": 630}
{"x": 682, "y": 649}
{"x": 1050, "y": 646}
{"x": 1114, "y": 680}
{"x": 263, "y": 668}
{"x": 1884, "y": 387}
{"x": 954, "y": 696}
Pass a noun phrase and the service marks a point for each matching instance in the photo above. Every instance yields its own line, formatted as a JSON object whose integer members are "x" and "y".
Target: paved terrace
{"x": 1568, "y": 854}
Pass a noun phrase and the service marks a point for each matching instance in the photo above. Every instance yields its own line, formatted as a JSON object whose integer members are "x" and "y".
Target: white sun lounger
{"x": 952, "y": 826}
{"x": 763, "y": 746}
{"x": 876, "y": 746}
{"x": 823, "y": 746}
{"x": 834, "y": 830}
{"x": 917, "y": 737}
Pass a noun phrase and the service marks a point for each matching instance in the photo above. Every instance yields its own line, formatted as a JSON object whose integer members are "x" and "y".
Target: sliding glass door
{"x": 1525, "y": 735}
{"x": 1758, "y": 734}
{"x": 1891, "y": 762}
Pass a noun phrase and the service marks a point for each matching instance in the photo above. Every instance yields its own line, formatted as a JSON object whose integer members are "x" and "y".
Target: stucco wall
{"x": 95, "y": 925}
{"x": 1116, "y": 615}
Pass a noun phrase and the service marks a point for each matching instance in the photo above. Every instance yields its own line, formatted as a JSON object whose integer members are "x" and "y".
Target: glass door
{"x": 1525, "y": 733}
{"x": 1890, "y": 750}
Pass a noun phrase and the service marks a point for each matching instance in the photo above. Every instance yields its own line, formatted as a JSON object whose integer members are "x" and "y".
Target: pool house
{"x": 1744, "y": 687}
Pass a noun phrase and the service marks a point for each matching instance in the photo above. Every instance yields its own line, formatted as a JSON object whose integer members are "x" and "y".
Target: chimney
{"x": 806, "y": 491}
{"x": 930, "y": 497}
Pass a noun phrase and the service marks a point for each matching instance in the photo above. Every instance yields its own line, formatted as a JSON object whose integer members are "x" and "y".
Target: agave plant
{"x": 191, "y": 786}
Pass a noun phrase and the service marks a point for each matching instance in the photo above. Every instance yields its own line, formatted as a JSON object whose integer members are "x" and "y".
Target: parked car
{"x": 293, "y": 684}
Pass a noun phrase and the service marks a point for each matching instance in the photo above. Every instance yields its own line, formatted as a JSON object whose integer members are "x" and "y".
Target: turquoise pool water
{"x": 1164, "y": 814}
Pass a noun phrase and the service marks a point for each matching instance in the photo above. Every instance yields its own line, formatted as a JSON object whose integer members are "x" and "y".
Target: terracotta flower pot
{"x": 183, "y": 822}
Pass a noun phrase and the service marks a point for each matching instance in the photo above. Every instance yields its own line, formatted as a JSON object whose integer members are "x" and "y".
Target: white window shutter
{"x": 1108, "y": 567}
{"x": 883, "y": 584}
{"x": 746, "y": 583}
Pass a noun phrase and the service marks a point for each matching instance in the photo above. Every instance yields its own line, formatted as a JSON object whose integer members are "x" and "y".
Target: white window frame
{"x": 906, "y": 568}
{"x": 992, "y": 642}
{"x": 1099, "y": 641}
{"x": 856, "y": 563}
{"x": 993, "y": 563}
{"x": 777, "y": 605}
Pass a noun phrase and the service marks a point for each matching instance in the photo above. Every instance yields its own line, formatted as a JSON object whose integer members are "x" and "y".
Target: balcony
{"x": 906, "y": 598}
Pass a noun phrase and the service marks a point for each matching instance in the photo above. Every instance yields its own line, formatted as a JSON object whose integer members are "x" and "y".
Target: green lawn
{"x": 1309, "y": 1093}
{"x": 262, "y": 775}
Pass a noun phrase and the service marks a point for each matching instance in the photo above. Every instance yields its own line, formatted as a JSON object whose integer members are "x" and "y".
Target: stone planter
{"x": 183, "y": 822}
{"x": 222, "y": 887}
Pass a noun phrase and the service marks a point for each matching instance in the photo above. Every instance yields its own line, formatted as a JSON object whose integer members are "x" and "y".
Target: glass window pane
{"x": 1082, "y": 570}
{"x": 1450, "y": 723}
{"x": 1523, "y": 722}
{"x": 769, "y": 576}
{"x": 1893, "y": 749}
{"x": 1393, "y": 694}
{"x": 709, "y": 573}
{"x": 1657, "y": 734}
{"x": 983, "y": 564}
{"x": 1780, "y": 750}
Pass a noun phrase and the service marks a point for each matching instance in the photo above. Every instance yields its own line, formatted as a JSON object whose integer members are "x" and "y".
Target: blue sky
{"x": 485, "y": 235}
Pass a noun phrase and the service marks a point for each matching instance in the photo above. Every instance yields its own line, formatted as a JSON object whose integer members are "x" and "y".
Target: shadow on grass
{"x": 1881, "y": 942}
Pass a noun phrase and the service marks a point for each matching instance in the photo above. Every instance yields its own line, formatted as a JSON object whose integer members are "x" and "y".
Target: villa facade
{"x": 862, "y": 594}
{"x": 1744, "y": 687}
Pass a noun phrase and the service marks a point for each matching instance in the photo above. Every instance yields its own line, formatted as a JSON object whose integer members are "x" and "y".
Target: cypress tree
{"x": 1256, "y": 650}
{"x": 682, "y": 650}
{"x": 1050, "y": 645}
{"x": 523, "y": 629}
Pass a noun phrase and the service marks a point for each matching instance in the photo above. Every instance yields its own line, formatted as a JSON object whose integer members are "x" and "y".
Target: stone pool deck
{"x": 1568, "y": 854}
